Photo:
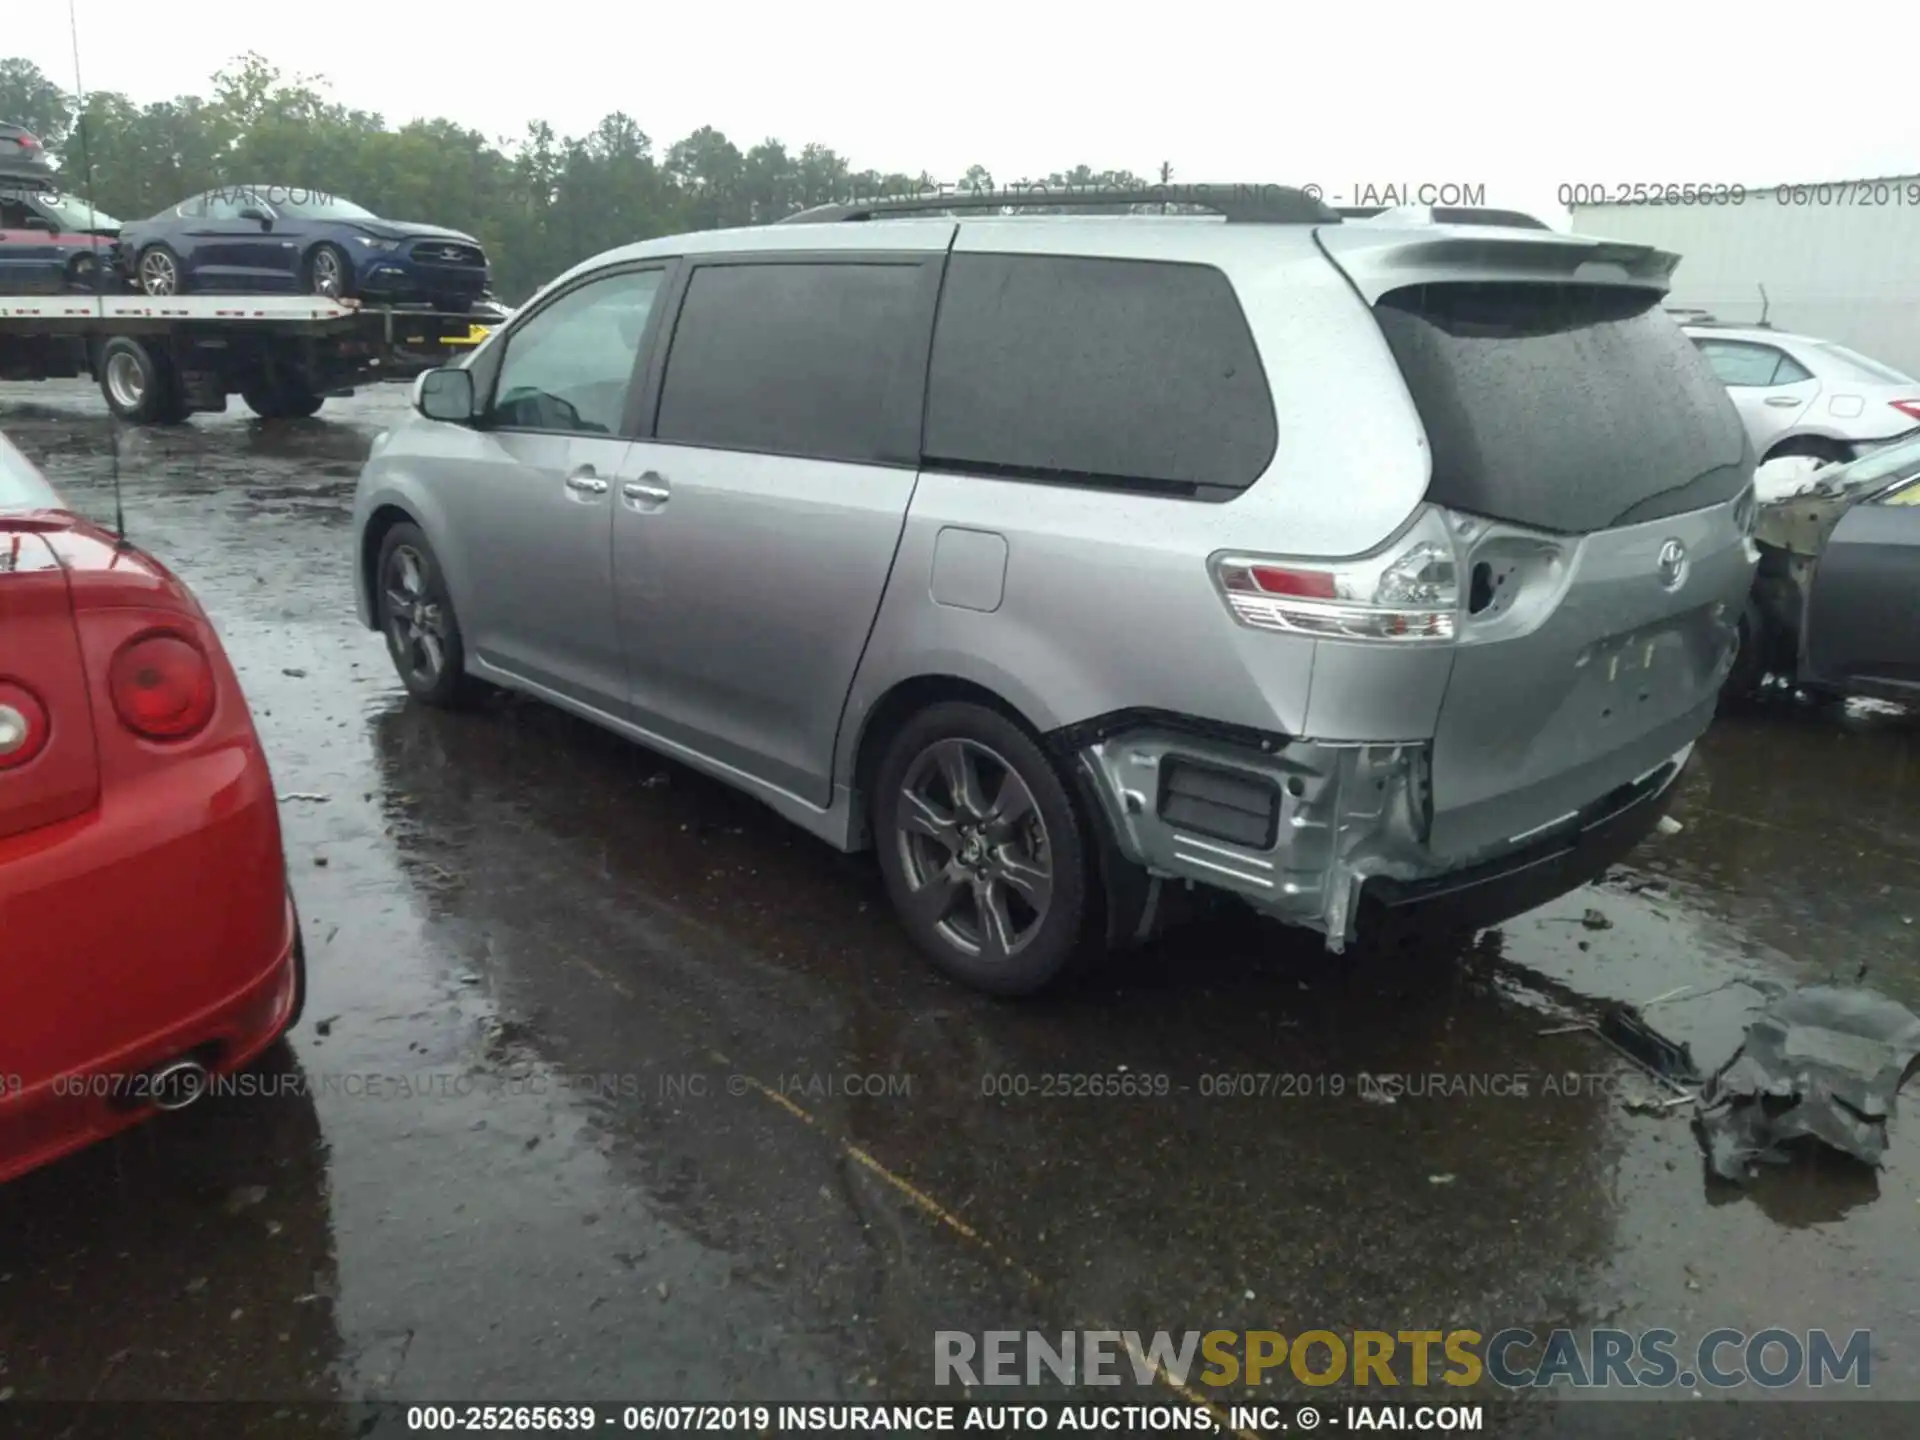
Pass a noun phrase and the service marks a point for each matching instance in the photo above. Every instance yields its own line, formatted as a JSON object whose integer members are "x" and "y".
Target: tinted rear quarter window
{"x": 1565, "y": 407}
{"x": 820, "y": 360}
{"x": 1140, "y": 374}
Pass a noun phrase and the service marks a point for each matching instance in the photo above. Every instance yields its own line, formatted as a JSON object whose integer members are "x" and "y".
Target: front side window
{"x": 569, "y": 368}
{"x": 227, "y": 204}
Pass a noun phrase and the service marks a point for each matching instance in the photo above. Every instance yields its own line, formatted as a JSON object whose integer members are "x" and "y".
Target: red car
{"x": 50, "y": 243}
{"x": 148, "y": 940}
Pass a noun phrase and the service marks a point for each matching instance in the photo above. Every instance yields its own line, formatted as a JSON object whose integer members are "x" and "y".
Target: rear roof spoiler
{"x": 1445, "y": 215}
{"x": 1381, "y": 260}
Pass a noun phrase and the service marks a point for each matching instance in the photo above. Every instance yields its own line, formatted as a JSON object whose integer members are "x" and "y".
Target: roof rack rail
{"x": 1449, "y": 215}
{"x": 1237, "y": 203}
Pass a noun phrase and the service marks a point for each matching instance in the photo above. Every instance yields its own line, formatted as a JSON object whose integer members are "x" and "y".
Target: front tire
{"x": 158, "y": 272}
{"x": 985, "y": 852}
{"x": 329, "y": 273}
{"x": 416, "y": 616}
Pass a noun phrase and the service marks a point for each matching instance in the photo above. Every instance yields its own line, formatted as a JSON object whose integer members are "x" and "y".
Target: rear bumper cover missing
{"x": 1348, "y": 857}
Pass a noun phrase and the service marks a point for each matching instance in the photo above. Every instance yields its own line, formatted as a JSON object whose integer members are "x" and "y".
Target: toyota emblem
{"x": 1673, "y": 564}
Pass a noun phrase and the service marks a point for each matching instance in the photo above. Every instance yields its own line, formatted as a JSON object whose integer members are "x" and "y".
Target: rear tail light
{"x": 23, "y": 726}
{"x": 162, "y": 686}
{"x": 1408, "y": 593}
{"x": 1908, "y": 408}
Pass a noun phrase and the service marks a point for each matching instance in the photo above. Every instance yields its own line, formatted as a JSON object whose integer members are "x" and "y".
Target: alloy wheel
{"x": 974, "y": 849}
{"x": 328, "y": 278}
{"x": 416, "y": 622}
{"x": 158, "y": 274}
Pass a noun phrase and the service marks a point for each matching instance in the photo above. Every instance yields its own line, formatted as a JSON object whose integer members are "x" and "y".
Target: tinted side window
{"x": 227, "y": 204}
{"x": 1790, "y": 371}
{"x": 1743, "y": 365}
{"x": 191, "y": 209}
{"x": 1130, "y": 372}
{"x": 569, "y": 367}
{"x": 815, "y": 359}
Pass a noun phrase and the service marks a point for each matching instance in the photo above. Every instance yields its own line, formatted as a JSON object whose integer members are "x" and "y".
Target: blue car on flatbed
{"x": 281, "y": 239}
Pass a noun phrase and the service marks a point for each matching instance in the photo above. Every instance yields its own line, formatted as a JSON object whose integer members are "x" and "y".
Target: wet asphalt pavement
{"x": 613, "y": 1086}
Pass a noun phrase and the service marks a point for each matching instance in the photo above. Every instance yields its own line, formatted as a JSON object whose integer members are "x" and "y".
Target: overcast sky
{"x": 1519, "y": 98}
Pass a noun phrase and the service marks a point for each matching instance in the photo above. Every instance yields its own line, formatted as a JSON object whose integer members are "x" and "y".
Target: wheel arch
{"x": 898, "y": 704}
{"x": 381, "y": 520}
{"x": 1802, "y": 442}
{"x": 323, "y": 242}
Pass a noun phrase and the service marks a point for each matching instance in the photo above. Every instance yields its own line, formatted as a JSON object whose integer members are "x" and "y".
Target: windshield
{"x": 21, "y": 486}
{"x": 74, "y": 213}
{"x": 314, "y": 205}
{"x": 1861, "y": 368}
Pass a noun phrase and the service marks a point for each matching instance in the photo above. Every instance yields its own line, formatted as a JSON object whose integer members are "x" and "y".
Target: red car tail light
{"x": 1908, "y": 408}
{"x": 23, "y": 726}
{"x": 1406, "y": 593}
{"x": 162, "y": 686}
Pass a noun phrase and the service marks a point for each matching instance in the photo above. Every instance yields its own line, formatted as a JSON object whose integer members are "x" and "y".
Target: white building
{"x": 1840, "y": 261}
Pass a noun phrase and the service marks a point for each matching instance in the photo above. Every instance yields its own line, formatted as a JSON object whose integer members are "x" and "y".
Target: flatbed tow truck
{"x": 158, "y": 360}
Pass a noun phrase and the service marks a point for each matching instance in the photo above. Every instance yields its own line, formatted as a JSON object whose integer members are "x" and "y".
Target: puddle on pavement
{"x": 654, "y": 1067}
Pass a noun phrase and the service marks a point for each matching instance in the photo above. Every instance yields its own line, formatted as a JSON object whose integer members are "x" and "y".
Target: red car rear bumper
{"x": 156, "y": 927}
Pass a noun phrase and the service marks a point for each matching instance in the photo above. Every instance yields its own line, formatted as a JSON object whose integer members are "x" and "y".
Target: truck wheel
{"x": 329, "y": 273}
{"x": 138, "y": 385}
{"x": 158, "y": 272}
{"x": 281, "y": 399}
{"x": 985, "y": 853}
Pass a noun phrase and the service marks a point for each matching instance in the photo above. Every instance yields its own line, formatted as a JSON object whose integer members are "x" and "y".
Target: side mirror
{"x": 253, "y": 212}
{"x": 445, "y": 395}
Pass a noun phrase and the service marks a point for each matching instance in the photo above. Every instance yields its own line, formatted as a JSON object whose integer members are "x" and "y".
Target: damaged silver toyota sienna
{"x": 1369, "y": 567}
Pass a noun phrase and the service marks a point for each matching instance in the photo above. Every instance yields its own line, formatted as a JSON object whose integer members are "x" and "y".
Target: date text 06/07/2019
{"x": 760, "y": 1420}
{"x": 1860, "y": 194}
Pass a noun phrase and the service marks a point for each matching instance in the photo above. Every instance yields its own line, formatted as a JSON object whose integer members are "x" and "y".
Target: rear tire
{"x": 139, "y": 384}
{"x": 281, "y": 399}
{"x": 1814, "y": 447}
{"x": 417, "y": 619}
{"x": 987, "y": 857}
{"x": 158, "y": 271}
{"x": 1754, "y": 645}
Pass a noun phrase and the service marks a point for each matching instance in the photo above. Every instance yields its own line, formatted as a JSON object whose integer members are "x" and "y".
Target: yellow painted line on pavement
{"x": 940, "y": 1213}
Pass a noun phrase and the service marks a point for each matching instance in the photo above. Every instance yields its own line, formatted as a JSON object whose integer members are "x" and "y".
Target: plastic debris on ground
{"x": 1823, "y": 1064}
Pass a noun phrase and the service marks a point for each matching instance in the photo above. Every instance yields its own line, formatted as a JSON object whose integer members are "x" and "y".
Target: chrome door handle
{"x": 648, "y": 487}
{"x": 1783, "y": 401}
{"x": 586, "y": 482}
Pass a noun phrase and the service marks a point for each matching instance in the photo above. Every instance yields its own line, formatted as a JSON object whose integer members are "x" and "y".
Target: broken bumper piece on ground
{"x": 1823, "y": 1064}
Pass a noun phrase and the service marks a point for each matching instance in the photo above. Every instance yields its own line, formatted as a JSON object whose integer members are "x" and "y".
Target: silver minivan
{"x": 1380, "y": 570}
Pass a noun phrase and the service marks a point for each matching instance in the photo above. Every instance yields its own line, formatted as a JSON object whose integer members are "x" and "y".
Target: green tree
{"x": 540, "y": 202}
{"x": 29, "y": 98}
